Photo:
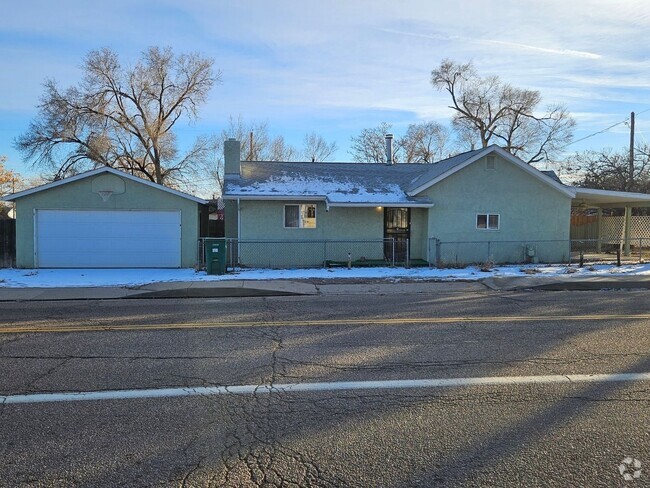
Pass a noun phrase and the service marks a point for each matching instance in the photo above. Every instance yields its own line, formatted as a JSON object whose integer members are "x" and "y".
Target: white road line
{"x": 308, "y": 387}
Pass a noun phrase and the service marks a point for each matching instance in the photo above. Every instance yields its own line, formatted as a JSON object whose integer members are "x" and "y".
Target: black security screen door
{"x": 397, "y": 225}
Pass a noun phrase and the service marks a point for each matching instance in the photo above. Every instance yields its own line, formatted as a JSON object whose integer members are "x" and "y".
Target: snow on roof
{"x": 354, "y": 183}
{"x": 335, "y": 190}
{"x": 349, "y": 183}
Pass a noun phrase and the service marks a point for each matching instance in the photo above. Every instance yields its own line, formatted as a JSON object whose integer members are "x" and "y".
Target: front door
{"x": 397, "y": 227}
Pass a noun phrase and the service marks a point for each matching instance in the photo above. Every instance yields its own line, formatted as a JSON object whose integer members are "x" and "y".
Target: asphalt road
{"x": 561, "y": 433}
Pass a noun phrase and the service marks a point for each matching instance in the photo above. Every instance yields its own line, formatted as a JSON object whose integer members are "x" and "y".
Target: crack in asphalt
{"x": 50, "y": 371}
{"x": 254, "y": 453}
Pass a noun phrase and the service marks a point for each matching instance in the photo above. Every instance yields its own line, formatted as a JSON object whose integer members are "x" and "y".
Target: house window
{"x": 488, "y": 221}
{"x": 300, "y": 216}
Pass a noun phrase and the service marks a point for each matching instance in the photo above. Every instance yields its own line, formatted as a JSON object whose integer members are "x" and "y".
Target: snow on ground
{"x": 46, "y": 278}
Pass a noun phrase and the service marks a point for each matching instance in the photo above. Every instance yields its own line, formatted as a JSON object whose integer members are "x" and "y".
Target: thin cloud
{"x": 517, "y": 45}
{"x": 560, "y": 52}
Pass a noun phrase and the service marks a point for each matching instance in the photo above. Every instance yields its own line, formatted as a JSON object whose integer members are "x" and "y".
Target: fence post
{"x": 325, "y": 254}
{"x": 618, "y": 257}
{"x": 599, "y": 226}
{"x": 640, "y": 252}
{"x": 627, "y": 229}
{"x": 393, "y": 246}
{"x": 408, "y": 254}
{"x": 488, "y": 253}
{"x": 438, "y": 252}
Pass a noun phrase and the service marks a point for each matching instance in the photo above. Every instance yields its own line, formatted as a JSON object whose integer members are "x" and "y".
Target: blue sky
{"x": 336, "y": 67}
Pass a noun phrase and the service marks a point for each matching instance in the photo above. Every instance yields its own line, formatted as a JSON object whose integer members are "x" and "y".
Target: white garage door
{"x": 107, "y": 239}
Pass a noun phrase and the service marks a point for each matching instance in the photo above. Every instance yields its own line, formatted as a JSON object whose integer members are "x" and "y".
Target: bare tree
{"x": 256, "y": 142}
{"x": 426, "y": 142}
{"x": 280, "y": 150}
{"x": 254, "y": 137}
{"x": 256, "y": 145}
{"x": 370, "y": 145}
{"x": 10, "y": 181}
{"x": 317, "y": 149}
{"x": 610, "y": 170}
{"x": 498, "y": 113}
{"x": 122, "y": 117}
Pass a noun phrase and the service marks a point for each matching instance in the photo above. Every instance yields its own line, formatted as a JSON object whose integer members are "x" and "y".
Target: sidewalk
{"x": 264, "y": 288}
{"x": 561, "y": 283}
{"x": 178, "y": 289}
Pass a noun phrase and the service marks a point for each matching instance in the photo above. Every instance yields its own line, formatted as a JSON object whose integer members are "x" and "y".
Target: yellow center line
{"x": 8, "y": 329}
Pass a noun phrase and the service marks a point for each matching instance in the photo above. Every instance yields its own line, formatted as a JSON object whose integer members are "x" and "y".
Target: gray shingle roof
{"x": 356, "y": 183}
{"x": 338, "y": 182}
{"x": 552, "y": 174}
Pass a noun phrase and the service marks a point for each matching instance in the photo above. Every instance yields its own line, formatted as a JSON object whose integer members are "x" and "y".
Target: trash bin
{"x": 215, "y": 256}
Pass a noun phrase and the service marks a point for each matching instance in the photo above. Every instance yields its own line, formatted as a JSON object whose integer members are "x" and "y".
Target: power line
{"x": 627, "y": 119}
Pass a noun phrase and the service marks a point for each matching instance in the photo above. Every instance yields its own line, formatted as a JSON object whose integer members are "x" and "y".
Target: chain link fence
{"x": 246, "y": 253}
{"x": 590, "y": 251}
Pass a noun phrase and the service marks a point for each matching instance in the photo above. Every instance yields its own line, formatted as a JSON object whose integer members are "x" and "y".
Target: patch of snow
{"x": 336, "y": 190}
{"x": 48, "y": 278}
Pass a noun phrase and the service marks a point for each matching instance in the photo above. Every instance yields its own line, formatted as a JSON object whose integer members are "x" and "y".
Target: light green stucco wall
{"x": 530, "y": 210}
{"x": 264, "y": 220}
{"x": 78, "y": 195}
{"x": 419, "y": 232}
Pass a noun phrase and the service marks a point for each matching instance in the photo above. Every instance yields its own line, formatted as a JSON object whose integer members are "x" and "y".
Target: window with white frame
{"x": 488, "y": 221}
{"x": 301, "y": 216}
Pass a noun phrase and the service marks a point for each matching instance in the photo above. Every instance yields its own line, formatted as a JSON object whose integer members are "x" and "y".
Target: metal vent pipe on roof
{"x": 389, "y": 149}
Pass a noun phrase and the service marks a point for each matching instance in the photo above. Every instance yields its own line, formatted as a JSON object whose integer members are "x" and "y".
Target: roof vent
{"x": 389, "y": 149}
{"x": 491, "y": 162}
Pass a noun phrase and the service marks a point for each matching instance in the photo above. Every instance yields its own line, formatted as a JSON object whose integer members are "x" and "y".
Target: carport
{"x": 587, "y": 198}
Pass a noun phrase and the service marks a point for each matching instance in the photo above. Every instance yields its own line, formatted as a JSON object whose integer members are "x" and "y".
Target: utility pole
{"x": 631, "y": 169}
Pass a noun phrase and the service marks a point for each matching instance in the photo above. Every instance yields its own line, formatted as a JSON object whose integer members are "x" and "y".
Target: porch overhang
{"x": 380, "y": 204}
{"x": 593, "y": 198}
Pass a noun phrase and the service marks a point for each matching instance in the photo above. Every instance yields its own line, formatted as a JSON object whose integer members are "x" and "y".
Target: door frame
{"x": 404, "y": 234}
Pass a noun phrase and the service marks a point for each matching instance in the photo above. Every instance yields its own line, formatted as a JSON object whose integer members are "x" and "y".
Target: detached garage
{"x": 106, "y": 219}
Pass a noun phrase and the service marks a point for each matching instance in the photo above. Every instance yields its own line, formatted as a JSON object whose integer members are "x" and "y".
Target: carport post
{"x": 626, "y": 235}
{"x": 599, "y": 226}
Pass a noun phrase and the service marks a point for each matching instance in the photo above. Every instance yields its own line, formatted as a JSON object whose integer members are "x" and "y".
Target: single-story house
{"x": 106, "y": 218}
{"x": 479, "y": 196}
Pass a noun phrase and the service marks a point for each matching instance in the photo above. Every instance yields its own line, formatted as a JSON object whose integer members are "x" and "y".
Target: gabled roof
{"x": 95, "y": 172}
{"x": 447, "y": 167}
{"x": 359, "y": 184}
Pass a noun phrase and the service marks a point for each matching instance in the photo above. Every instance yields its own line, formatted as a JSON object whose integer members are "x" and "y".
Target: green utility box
{"x": 215, "y": 256}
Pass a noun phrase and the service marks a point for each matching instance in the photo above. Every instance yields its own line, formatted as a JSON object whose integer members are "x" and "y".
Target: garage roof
{"x": 98, "y": 171}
